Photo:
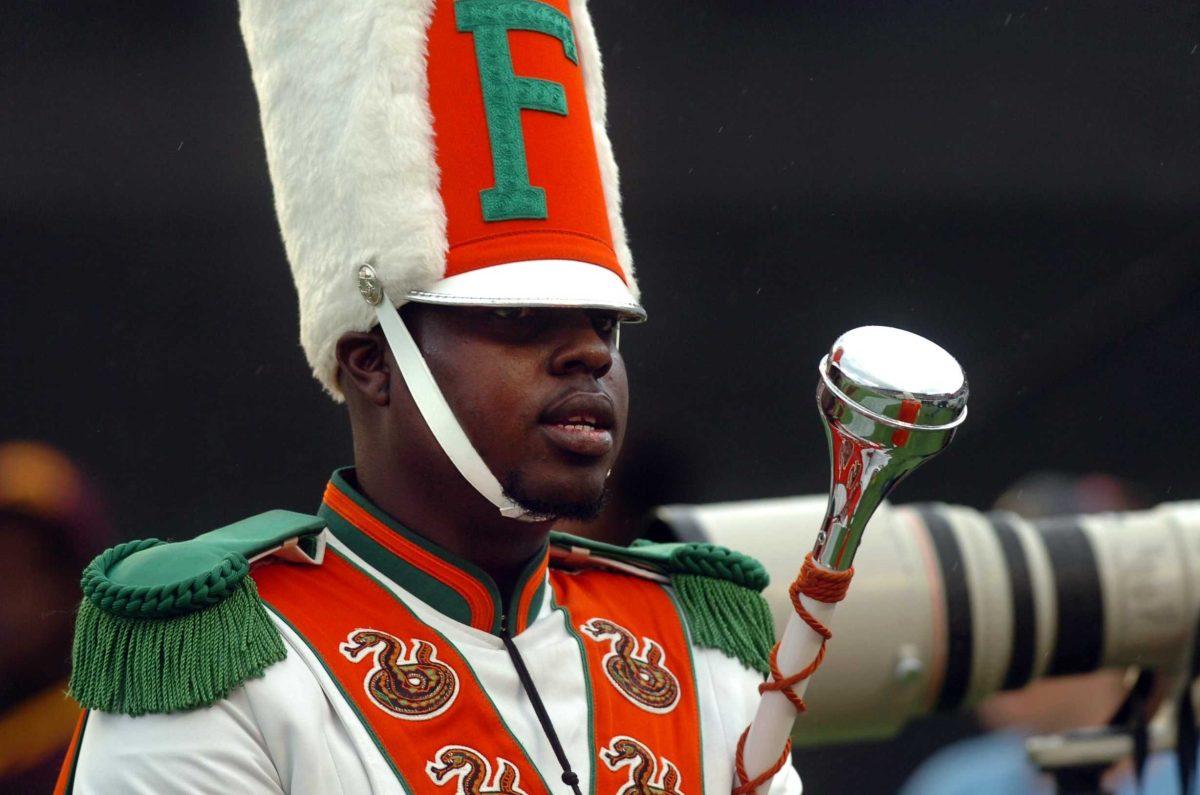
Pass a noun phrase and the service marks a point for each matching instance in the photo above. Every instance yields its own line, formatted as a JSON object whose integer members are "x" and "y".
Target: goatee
{"x": 514, "y": 489}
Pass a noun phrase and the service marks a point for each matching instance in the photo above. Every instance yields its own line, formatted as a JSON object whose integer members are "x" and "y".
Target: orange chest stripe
{"x": 476, "y": 595}
{"x": 645, "y": 709}
{"x": 396, "y": 671}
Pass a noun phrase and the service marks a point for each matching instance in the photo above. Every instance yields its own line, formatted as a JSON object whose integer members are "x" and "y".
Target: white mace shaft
{"x": 772, "y": 724}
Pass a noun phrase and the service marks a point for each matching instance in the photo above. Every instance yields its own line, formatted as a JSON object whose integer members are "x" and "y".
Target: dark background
{"x": 1019, "y": 182}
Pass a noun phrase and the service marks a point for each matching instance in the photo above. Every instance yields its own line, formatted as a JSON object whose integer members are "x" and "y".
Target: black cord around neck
{"x": 569, "y": 777}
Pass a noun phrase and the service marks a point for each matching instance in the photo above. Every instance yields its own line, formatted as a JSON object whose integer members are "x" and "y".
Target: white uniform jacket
{"x": 397, "y": 679}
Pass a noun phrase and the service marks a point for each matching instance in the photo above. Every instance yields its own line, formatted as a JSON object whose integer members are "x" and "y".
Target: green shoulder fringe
{"x": 719, "y": 590}
{"x": 169, "y": 627}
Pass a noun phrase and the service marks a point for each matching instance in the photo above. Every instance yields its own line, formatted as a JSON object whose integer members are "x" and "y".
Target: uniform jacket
{"x": 395, "y": 677}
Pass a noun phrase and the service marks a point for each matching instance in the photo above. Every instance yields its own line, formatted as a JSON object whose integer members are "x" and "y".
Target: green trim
{"x": 340, "y": 479}
{"x": 705, "y": 560}
{"x": 535, "y": 604}
{"x": 137, "y": 666}
{"x": 384, "y": 587}
{"x": 587, "y": 682}
{"x": 345, "y": 696}
{"x": 425, "y": 587}
{"x": 527, "y": 573}
{"x": 435, "y": 593}
{"x": 505, "y": 95}
{"x": 440, "y": 596}
{"x": 687, "y": 633}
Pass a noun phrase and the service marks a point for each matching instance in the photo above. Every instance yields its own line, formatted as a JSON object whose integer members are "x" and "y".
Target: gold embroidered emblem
{"x": 643, "y": 677}
{"x": 647, "y": 775}
{"x": 414, "y": 686}
{"x": 474, "y": 772}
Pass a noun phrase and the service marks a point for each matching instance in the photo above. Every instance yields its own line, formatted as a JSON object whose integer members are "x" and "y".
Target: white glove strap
{"x": 439, "y": 416}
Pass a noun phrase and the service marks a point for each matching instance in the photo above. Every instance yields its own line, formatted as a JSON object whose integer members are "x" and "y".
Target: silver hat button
{"x": 368, "y": 285}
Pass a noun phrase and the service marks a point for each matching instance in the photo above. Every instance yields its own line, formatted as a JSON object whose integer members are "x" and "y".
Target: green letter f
{"x": 505, "y": 95}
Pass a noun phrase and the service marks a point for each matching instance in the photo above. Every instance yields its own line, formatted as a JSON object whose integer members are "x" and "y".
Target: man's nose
{"x": 583, "y": 349}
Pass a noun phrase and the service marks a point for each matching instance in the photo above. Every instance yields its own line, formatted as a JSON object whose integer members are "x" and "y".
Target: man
{"x": 426, "y": 632}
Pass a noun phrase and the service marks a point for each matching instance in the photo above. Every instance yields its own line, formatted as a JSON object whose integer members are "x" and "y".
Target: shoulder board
{"x": 718, "y": 589}
{"x": 165, "y": 627}
{"x": 660, "y": 561}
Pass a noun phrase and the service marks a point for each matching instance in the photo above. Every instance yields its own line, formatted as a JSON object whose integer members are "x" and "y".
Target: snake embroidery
{"x": 642, "y": 678}
{"x": 414, "y": 686}
{"x": 474, "y": 772}
{"x": 645, "y": 775}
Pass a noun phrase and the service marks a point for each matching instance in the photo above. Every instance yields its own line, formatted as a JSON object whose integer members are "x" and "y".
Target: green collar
{"x": 452, "y": 586}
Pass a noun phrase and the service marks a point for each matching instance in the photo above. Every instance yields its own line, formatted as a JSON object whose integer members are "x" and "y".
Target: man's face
{"x": 541, "y": 393}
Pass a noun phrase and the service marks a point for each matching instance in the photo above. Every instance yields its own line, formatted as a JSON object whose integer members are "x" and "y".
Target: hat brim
{"x": 537, "y": 283}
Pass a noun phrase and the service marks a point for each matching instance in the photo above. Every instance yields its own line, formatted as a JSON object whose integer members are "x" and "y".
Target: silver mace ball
{"x": 890, "y": 401}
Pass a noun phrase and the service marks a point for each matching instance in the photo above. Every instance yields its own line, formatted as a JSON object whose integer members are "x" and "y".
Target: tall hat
{"x": 440, "y": 151}
{"x": 458, "y": 148}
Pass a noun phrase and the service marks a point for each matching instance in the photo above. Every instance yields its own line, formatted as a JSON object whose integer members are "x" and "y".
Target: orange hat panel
{"x": 559, "y": 150}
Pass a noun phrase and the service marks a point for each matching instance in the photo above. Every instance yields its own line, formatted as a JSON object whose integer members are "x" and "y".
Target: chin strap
{"x": 432, "y": 403}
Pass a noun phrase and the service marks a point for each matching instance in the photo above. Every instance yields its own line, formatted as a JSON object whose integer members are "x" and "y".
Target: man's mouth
{"x": 581, "y": 424}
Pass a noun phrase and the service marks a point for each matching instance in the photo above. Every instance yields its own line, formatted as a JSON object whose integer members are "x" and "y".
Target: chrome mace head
{"x": 890, "y": 401}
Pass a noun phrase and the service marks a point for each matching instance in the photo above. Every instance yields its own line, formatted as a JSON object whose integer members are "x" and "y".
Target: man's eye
{"x": 605, "y": 324}
{"x": 512, "y": 312}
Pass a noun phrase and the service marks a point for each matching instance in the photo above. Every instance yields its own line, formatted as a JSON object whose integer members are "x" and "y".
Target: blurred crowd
{"x": 52, "y": 522}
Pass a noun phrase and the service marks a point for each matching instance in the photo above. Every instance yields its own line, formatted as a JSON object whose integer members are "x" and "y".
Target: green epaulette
{"x": 718, "y": 589}
{"x": 165, "y": 627}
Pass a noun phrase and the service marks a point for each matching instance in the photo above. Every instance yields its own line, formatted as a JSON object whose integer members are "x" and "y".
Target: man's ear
{"x": 363, "y": 366}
